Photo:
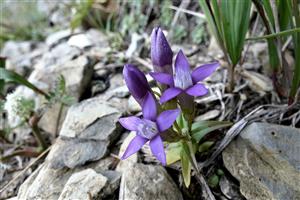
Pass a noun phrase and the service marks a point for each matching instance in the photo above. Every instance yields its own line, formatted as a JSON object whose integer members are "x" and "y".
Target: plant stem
{"x": 33, "y": 122}
{"x": 231, "y": 77}
{"x": 61, "y": 107}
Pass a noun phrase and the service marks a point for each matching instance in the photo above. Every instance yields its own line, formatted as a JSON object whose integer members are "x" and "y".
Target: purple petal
{"x": 204, "y": 71}
{"x": 149, "y": 107}
{"x": 165, "y": 120}
{"x": 130, "y": 123}
{"x": 163, "y": 78}
{"x": 183, "y": 78}
{"x": 136, "y": 144}
{"x": 157, "y": 148}
{"x": 161, "y": 52}
{"x": 197, "y": 90}
{"x": 169, "y": 94}
{"x": 136, "y": 82}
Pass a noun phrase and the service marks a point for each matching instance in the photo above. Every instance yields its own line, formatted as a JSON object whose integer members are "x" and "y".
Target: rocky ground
{"x": 83, "y": 161}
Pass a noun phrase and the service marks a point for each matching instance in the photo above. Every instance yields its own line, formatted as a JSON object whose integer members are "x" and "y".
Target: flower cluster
{"x": 178, "y": 87}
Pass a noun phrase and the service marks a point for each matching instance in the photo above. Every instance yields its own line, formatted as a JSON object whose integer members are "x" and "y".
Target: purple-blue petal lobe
{"x": 169, "y": 94}
{"x": 197, "y": 90}
{"x": 136, "y": 82}
{"x": 149, "y": 107}
{"x": 204, "y": 71}
{"x": 166, "y": 119}
{"x": 157, "y": 148}
{"x": 134, "y": 146}
{"x": 130, "y": 123}
{"x": 147, "y": 129}
{"x": 182, "y": 78}
{"x": 163, "y": 78}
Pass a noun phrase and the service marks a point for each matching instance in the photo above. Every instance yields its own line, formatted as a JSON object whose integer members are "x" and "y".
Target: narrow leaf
{"x": 205, "y": 146}
{"x": 198, "y": 135}
{"x": 198, "y": 126}
{"x": 10, "y": 76}
{"x": 173, "y": 152}
{"x": 186, "y": 168}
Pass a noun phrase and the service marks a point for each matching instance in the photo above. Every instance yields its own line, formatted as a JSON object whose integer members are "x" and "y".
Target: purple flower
{"x": 136, "y": 82}
{"x": 184, "y": 81}
{"x": 149, "y": 128}
{"x": 161, "y": 52}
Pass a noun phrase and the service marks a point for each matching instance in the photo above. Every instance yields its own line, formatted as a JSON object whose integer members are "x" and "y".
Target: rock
{"x": 99, "y": 86}
{"x": 135, "y": 46}
{"x": 77, "y": 74}
{"x": 265, "y": 160}
{"x": 133, "y": 105}
{"x": 21, "y": 56}
{"x": 127, "y": 163}
{"x": 230, "y": 190}
{"x": 88, "y": 130}
{"x": 147, "y": 182}
{"x": 116, "y": 81}
{"x": 114, "y": 179}
{"x": 97, "y": 38}
{"x": 120, "y": 92}
{"x": 81, "y": 41}
{"x": 83, "y": 185}
{"x": 84, "y": 118}
{"x": 48, "y": 183}
{"x": 58, "y": 55}
{"x": 59, "y": 36}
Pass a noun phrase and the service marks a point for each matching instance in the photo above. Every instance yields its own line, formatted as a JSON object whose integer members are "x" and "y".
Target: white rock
{"x": 81, "y": 41}
{"x": 148, "y": 182}
{"x": 83, "y": 185}
{"x": 80, "y": 116}
{"x": 133, "y": 105}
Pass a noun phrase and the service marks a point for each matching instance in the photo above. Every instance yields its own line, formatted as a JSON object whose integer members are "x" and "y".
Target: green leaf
{"x": 200, "y": 129}
{"x": 173, "y": 152}
{"x": 296, "y": 41}
{"x": 229, "y": 22}
{"x": 274, "y": 35}
{"x": 213, "y": 181}
{"x": 205, "y": 146}
{"x": 198, "y": 135}
{"x": 10, "y": 76}
{"x": 186, "y": 168}
{"x": 182, "y": 123}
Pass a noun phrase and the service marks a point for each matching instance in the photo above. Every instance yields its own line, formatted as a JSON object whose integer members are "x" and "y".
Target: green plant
{"x": 281, "y": 18}
{"x": 25, "y": 108}
{"x": 21, "y": 20}
{"x": 228, "y": 20}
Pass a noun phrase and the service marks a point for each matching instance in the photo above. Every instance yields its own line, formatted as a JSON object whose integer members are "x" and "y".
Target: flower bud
{"x": 136, "y": 82}
{"x": 161, "y": 52}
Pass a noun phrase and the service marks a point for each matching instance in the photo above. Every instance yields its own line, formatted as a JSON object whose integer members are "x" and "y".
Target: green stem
{"x": 33, "y": 122}
{"x": 61, "y": 107}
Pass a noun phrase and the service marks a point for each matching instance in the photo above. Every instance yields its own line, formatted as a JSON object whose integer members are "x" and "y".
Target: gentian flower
{"x": 136, "y": 82}
{"x": 149, "y": 128}
{"x": 184, "y": 81}
{"x": 161, "y": 52}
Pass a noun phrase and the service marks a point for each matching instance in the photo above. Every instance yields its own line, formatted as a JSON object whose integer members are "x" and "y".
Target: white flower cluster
{"x": 11, "y": 107}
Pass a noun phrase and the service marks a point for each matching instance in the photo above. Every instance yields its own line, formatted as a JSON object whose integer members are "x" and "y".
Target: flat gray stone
{"x": 89, "y": 128}
{"x": 265, "y": 159}
{"x": 85, "y": 119}
{"x": 48, "y": 183}
{"x": 148, "y": 182}
{"x": 83, "y": 185}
